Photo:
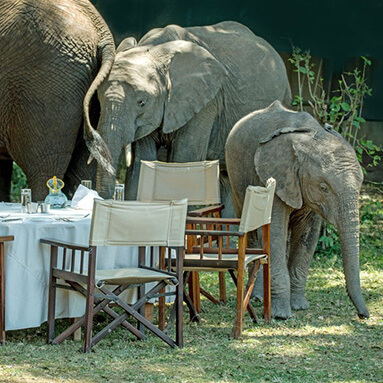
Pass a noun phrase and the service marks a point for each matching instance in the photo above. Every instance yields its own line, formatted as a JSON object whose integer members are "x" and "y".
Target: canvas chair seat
{"x": 227, "y": 261}
{"x": 120, "y": 223}
{"x": 132, "y": 275}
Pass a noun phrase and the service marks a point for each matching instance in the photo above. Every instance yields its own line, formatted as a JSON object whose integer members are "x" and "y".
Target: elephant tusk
{"x": 90, "y": 159}
{"x": 128, "y": 155}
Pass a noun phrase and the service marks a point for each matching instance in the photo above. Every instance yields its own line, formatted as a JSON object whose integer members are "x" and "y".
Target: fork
{"x": 64, "y": 219}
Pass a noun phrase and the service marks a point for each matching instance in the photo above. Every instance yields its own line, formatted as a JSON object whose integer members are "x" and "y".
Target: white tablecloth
{"x": 27, "y": 262}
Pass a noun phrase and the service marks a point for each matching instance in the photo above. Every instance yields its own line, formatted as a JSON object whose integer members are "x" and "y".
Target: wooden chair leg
{"x": 266, "y": 275}
{"x": 90, "y": 302}
{"x": 161, "y": 300}
{"x": 249, "y": 289}
{"x": 2, "y": 294}
{"x": 141, "y": 289}
{"x": 52, "y": 296}
{"x": 237, "y": 330}
{"x": 222, "y": 287}
{"x": 249, "y": 307}
{"x": 266, "y": 293}
{"x": 194, "y": 290}
{"x": 179, "y": 300}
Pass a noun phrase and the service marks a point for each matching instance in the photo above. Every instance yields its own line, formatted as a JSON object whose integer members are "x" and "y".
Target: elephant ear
{"x": 277, "y": 157}
{"x": 194, "y": 79}
{"x": 126, "y": 44}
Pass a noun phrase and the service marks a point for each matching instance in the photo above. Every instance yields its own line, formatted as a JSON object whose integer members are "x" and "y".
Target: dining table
{"x": 27, "y": 262}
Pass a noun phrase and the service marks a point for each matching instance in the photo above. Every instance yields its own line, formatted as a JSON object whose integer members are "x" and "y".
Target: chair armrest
{"x": 66, "y": 245}
{"x": 6, "y": 238}
{"x": 218, "y": 221}
{"x": 205, "y": 211}
{"x": 219, "y": 233}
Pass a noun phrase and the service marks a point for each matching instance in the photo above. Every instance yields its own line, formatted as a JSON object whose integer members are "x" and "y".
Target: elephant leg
{"x": 143, "y": 149}
{"x": 280, "y": 279}
{"x": 45, "y": 154}
{"x": 79, "y": 169}
{"x": 190, "y": 143}
{"x": 226, "y": 196}
{"x": 6, "y": 166}
{"x": 305, "y": 228}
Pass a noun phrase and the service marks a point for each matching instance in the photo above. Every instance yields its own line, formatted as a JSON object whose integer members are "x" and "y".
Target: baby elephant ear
{"x": 126, "y": 44}
{"x": 276, "y": 157}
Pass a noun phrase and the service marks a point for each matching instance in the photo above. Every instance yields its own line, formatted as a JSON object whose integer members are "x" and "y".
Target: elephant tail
{"x": 106, "y": 54}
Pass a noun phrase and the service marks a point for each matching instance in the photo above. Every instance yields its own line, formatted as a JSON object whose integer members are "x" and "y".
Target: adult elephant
{"x": 317, "y": 174}
{"x": 52, "y": 53}
{"x": 182, "y": 89}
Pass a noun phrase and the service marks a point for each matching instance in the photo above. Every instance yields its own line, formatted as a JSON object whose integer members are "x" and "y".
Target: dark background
{"x": 338, "y": 31}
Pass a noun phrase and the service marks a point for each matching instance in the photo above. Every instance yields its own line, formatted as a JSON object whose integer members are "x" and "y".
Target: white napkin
{"x": 83, "y": 198}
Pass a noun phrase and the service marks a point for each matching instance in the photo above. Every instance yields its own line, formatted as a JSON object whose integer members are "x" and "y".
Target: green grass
{"x": 326, "y": 343}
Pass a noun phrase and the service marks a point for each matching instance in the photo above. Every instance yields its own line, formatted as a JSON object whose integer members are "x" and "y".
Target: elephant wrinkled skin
{"x": 318, "y": 175}
{"x": 52, "y": 53}
{"x": 182, "y": 89}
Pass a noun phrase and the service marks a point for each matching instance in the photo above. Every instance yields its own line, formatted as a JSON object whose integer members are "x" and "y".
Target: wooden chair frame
{"x": 3, "y": 239}
{"x": 213, "y": 210}
{"x": 200, "y": 228}
{"x": 98, "y": 298}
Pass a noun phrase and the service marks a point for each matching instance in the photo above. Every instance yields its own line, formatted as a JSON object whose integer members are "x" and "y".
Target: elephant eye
{"x": 324, "y": 187}
{"x": 141, "y": 103}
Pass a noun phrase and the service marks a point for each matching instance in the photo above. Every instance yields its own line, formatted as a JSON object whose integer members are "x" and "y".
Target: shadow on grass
{"x": 326, "y": 343}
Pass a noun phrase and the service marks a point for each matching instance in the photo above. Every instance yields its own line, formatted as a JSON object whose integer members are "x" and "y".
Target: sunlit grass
{"x": 326, "y": 343}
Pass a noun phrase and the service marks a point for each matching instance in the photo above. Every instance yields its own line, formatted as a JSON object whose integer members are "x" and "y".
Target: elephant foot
{"x": 280, "y": 308}
{"x": 299, "y": 301}
{"x": 257, "y": 295}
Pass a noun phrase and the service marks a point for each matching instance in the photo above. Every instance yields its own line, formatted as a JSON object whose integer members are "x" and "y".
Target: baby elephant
{"x": 317, "y": 174}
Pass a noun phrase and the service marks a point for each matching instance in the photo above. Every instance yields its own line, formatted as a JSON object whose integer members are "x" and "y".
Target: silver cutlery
{"x": 11, "y": 219}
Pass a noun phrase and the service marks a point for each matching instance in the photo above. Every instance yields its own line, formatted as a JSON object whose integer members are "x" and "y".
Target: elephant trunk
{"x": 111, "y": 128}
{"x": 349, "y": 237}
{"x": 106, "y": 54}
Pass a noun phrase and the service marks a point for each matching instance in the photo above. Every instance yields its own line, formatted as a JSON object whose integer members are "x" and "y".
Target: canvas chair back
{"x": 257, "y": 206}
{"x": 132, "y": 223}
{"x": 196, "y": 181}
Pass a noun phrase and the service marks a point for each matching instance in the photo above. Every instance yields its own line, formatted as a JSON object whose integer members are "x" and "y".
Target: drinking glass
{"x": 119, "y": 192}
{"x": 26, "y": 198}
{"x": 32, "y": 207}
{"x": 87, "y": 183}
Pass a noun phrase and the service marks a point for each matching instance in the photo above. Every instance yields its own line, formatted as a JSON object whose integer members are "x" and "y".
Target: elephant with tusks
{"x": 182, "y": 90}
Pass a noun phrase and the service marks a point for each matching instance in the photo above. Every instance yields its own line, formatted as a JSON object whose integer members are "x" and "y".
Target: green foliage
{"x": 343, "y": 111}
{"x": 328, "y": 243}
{"x": 18, "y": 182}
{"x": 371, "y": 222}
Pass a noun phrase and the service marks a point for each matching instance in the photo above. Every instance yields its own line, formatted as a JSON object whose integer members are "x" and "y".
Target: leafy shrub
{"x": 343, "y": 109}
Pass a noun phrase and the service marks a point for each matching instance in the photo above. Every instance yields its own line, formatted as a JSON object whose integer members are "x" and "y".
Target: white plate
{"x": 39, "y": 219}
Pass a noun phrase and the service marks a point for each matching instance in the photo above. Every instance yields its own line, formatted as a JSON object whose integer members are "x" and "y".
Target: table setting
{"x": 27, "y": 260}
